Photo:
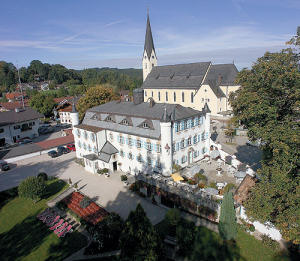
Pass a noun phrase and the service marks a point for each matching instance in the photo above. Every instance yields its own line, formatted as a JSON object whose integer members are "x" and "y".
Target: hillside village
{"x": 159, "y": 163}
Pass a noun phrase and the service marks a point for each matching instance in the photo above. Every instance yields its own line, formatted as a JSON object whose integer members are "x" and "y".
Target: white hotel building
{"x": 142, "y": 136}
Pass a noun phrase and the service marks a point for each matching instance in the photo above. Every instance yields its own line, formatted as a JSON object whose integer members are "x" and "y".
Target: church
{"x": 190, "y": 85}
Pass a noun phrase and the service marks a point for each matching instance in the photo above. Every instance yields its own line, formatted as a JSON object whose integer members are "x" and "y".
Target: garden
{"x": 22, "y": 236}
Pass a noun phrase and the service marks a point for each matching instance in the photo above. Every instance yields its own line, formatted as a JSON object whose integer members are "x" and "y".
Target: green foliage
{"x": 43, "y": 175}
{"x": 227, "y": 223}
{"x": 32, "y": 188}
{"x": 176, "y": 168}
{"x": 139, "y": 240}
{"x": 42, "y": 103}
{"x": 123, "y": 178}
{"x": 95, "y": 96}
{"x": 213, "y": 185}
{"x": 269, "y": 242}
{"x": 185, "y": 235}
{"x": 85, "y": 202}
{"x": 103, "y": 171}
{"x": 173, "y": 216}
{"x": 105, "y": 234}
{"x": 268, "y": 106}
{"x": 8, "y": 76}
{"x": 200, "y": 177}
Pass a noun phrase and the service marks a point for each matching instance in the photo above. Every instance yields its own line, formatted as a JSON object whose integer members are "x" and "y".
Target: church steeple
{"x": 149, "y": 55}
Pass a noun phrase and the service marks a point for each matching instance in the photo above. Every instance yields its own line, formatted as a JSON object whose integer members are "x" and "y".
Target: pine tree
{"x": 227, "y": 223}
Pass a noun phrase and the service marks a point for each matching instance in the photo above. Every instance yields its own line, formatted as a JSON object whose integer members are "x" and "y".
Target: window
{"x": 152, "y": 65}
{"x": 145, "y": 68}
{"x": 167, "y": 96}
{"x": 182, "y": 125}
{"x": 174, "y": 96}
{"x": 192, "y": 97}
{"x": 159, "y": 96}
{"x": 177, "y": 146}
{"x": 148, "y": 146}
{"x": 85, "y": 135}
{"x": 121, "y": 140}
{"x": 125, "y": 122}
{"x": 152, "y": 56}
{"x": 176, "y": 127}
{"x": 182, "y": 144}
{"x": 202, "y": 99}
{"x": 111, "y": 136}
{"x": 138, "y": 144}
{"x": 185, "y": 125}
{"x": 158, "y": 148}
{"x": 203, "y": 150}
{"x": 95, "y": 149}
{"x": 151, "y": 94}
{"x": 79, "y": 144}
{"x": 139, "y": 158}
{"x": 189, "y": 123}
{"x": 89, "y": 148}
{"x": 84, "y": 146}
{"x": 195, "y": 139}
{"x": 92, "y": 137}
{"x": 189, "y": 141}
{"x": 203, "y": 136}
{"x": 205, "y": 90}
{"x": 196, "y": 121}
{"x": 146, "y": 91}
{"x": 182, "y": 96}
{"x": 122, "y": 153}
{"x": 130, "y": 156}
{"x": 145, "y": 125}
{"x": 129, "y": 141}
{"x": 195, "y": 154}
{"x": 16, "y": 127}
{"x": 183, "y": 159}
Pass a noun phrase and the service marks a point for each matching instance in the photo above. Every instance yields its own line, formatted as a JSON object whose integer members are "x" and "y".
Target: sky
{"x": 96, "y": 33}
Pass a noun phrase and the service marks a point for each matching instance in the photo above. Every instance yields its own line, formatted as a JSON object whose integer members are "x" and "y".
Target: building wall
{"x": 201, "y": 96}
{"x": 9, "y": 132}
{"x": 65, "y": 117}
{"x": 85, "y": 142}
{"x": 148, "y": 64}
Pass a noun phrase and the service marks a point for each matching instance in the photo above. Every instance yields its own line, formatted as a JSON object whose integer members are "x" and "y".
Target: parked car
{"x": 53, "y": 153}
{"x": 62, "y": 150}
{"x": 46, "y": 130}
{"x": 71, "y": 147}
{"x": 24, "y": 141}
{"x": 4, "y": 166}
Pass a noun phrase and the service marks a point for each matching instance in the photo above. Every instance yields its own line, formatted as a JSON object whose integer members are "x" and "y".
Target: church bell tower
{"x": 149, "y": 55}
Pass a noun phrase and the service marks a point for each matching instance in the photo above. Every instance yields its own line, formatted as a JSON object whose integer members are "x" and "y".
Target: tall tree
{"x": 139, "y": 240}
{"x": 268, "y": 105}
{"x": 42, "y": 103}
{"x": 95, "y": 96}
{"x": 227, "y": 223}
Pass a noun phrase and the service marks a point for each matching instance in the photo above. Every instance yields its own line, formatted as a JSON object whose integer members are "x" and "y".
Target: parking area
{"x": 107, "y": 192}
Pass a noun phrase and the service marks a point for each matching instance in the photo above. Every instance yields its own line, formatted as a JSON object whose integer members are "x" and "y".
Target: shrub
{"x": 173, "y": 216}
{"x": 200, "y": 177}
{"x": 43, "y": 176}
{"x": 123, "y": 177}
{"x": 176, "y": 167}
{"x": 191, "y": 182}
{"x": 32, "y": 188}
{"x": 269, "y": 242}
{"x": 252, "y": 228}
{"x": 213, "y": 185}
{"x": 134, "y": 187}
{"x": 61, "y": 205}
{"x": 201, "y": 185}
{"x": 102, "y": 171}
{"x": 85, "y": 202}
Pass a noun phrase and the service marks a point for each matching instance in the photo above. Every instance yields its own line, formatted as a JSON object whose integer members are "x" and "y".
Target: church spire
{"x": 149, "y": 55}
{"x": 149, "y": 45}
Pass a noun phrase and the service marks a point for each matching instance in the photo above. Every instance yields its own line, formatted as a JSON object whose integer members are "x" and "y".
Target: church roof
{"x": 149, "y": 45}
{"x": 192, "y": 76}
{"x": 184, "y": 76}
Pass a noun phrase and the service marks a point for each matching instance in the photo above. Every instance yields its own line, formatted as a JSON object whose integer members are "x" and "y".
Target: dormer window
{"x": 145, "y": 125}
{"x": 152, "y": 56}
{"x": 108, "y": 118}
{"x": 125, "y": 122}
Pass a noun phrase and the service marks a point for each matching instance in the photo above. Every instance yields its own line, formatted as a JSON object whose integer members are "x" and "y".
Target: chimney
{"x": 138, "y": 96}
{"x": 151, "y": 102}
{"x": 219, "y": 79}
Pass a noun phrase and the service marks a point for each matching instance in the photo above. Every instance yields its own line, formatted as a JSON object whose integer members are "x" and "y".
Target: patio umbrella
{"x": 240, "y": 174}
{"x": 212, "y": 191}
{"x": 214, "y": 154}
{"x": 176, "y": 177}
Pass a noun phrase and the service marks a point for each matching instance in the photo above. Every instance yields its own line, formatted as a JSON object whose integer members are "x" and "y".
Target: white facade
{"x": 148, "y": 63}
{"x": 181, "y": 142}
{"x": 65, "y": 117}
{"x": 12, "y": 132}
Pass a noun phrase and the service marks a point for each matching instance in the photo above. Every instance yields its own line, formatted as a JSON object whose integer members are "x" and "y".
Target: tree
{"x": 227, "y": 223}
{"x": 173, "y": 216}
{"x": 32, "y": 188}
{"x": 106, "y": 234}
{"x": 139, "y": 240}
{"x": 268, "y": 106}
{"x": 95, "y": 96}
{"x": 42, "y": 103}
{"x": 185, "y": 235}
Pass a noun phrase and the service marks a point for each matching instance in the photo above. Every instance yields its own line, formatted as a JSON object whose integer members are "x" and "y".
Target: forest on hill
{"x": 74, "y": 80}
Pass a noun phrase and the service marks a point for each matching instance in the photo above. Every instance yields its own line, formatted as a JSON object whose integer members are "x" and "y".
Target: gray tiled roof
{"x": 104, "y": 157}
{"x": 149, "y": 45}
{"x": 185, "y": 76}
{"x": 138, "y": 113}
{"x": 10, "y": 117}
{"x": 109, "y": 149}
{"x": 227, "y": 72}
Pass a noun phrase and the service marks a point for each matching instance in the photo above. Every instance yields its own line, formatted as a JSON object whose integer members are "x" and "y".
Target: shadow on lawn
{"x": 8, "y": 195}
{"x": 23, "y": 238}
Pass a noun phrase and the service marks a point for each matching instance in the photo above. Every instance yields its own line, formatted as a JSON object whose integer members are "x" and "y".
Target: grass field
{"x": 24, "y": 237}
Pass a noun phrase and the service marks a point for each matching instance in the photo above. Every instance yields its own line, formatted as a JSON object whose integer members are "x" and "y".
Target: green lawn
{"x": 247, "y": 247}
{"x": 24, "y": 237}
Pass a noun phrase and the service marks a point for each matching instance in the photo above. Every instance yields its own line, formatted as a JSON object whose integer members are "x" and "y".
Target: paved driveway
{"x": 107, "y": 192}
